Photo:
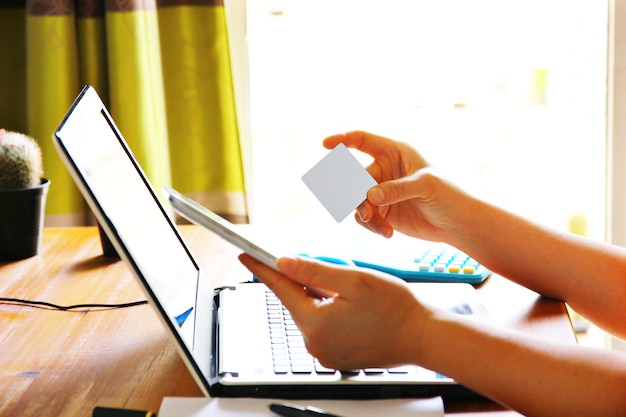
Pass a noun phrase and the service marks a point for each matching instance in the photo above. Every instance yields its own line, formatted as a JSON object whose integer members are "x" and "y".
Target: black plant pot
{"x": 21, "y": 221}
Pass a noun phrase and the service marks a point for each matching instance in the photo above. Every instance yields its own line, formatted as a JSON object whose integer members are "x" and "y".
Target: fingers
{"x": 365, "y": 142}
{"x": 302, "y": 282}
{"x": 392, "y": 159}
{"x": 292, "y": 294}
{"x": 419, "y": 185}
{"x": 356, "y": 327}
{"x": 322, "y": 277}
{"x": 369, "y": 217}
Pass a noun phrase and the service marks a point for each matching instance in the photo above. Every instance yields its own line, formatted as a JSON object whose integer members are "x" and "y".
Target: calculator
{"x": 432, "y": 264}
{"x": 420, "y": 261}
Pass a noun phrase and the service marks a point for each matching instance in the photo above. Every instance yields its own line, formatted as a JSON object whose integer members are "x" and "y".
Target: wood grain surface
{"x": 64, "y": 363}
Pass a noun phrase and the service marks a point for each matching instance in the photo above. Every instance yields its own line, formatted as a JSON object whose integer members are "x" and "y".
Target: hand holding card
{"x": 339, "y": 182}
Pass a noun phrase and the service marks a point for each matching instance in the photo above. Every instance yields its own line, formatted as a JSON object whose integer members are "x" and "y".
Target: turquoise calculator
{"x": 436, "y": 264}
{"x": 428, "y": 262}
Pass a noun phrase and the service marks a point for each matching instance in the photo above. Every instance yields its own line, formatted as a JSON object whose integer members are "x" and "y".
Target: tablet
{"x": 202, "y": 216}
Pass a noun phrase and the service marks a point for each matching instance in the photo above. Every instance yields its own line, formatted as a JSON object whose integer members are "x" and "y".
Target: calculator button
{"x": 424, "y": 266}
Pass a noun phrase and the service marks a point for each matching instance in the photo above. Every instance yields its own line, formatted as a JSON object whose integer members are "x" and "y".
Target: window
{"x": 505, "y": 97}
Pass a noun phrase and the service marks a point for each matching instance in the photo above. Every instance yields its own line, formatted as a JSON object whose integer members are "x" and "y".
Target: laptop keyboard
{"x": 289, "y": 354}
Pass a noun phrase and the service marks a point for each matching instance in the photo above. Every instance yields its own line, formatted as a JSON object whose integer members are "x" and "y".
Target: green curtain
{"x": 163, "y": 69}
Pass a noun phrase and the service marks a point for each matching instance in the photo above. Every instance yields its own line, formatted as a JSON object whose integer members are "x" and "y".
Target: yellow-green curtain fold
{"x": 200, "y": 104}
{"x": 13, "y": 65}
{"x": 52, "y": 80}
{"x": 136, "y": 84}
{"x": 92, "y": 47}
{"x": 162, "y": 68}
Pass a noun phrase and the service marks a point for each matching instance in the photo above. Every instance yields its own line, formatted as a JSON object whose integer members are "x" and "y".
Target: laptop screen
{"x": 128, "y": 208}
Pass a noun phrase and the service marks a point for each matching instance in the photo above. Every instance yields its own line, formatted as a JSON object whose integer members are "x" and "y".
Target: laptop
{"x": 226, "y": 336}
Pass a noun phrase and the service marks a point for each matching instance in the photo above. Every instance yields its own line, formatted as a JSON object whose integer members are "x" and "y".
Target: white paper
{"x": 339, "y": 182}
{"x": 253, "y": 407}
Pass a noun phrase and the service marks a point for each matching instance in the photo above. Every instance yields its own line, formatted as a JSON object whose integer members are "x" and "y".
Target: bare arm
{"x": 414, "y": 199}
{"x": 589, "y": 275}
{"x": 374, "y": 320}
{"x": 530, "y": 375}
{"x": 363, "y": 308}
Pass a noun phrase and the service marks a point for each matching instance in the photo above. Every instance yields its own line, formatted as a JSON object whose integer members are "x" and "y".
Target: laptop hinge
{"x": 219, "y": 339}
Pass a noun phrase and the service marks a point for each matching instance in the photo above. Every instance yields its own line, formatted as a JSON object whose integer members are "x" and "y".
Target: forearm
{"x": 589, "y": 275}
{"x": 532, "y": 376}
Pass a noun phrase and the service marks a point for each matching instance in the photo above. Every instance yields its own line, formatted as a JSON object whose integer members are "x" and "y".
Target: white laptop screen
{"x": 128, "y": 208}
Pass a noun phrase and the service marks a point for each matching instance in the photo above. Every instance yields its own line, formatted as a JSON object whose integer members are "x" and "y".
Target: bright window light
{"x": 505, "y": 97}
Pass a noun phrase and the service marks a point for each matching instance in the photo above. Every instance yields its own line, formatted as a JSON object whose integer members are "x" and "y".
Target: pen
{"x": 290, "y": 410}
{"x": 120, "y": 412}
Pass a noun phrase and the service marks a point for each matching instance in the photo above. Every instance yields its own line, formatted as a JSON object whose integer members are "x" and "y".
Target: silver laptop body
{"x": 223, "y": 334}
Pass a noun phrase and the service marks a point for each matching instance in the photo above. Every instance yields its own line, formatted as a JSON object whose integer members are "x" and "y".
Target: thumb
{"x": 315, "y": 274}
{"x": 419, "y": 185}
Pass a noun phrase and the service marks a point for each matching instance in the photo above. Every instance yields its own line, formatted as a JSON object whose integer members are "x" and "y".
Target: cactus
{"x": 20, "y": 161}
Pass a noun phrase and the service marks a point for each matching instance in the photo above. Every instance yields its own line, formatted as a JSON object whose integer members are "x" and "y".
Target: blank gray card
{"x": 339, "y": 182}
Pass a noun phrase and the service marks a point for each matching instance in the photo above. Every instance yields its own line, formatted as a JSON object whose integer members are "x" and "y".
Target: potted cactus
{"x": 23, "y": 193}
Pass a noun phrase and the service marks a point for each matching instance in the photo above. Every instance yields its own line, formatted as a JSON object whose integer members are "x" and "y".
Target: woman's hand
{"x": 366, "y": 319}
{"x": 410, "y": 197}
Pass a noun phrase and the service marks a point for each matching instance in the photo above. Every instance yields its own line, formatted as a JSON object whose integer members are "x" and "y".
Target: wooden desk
{"x": 56, "y": 363}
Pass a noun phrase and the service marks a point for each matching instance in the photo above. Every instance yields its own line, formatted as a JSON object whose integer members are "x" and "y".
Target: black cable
{"x": 51, "y": 306}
